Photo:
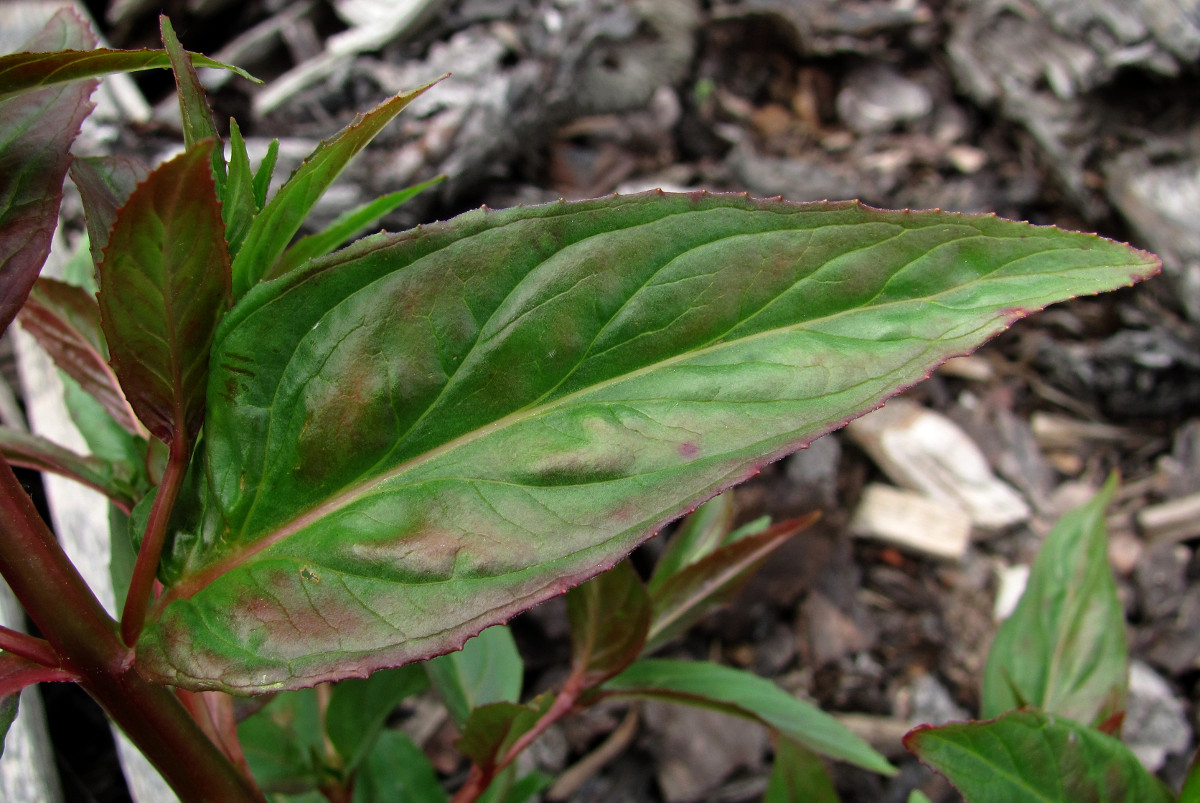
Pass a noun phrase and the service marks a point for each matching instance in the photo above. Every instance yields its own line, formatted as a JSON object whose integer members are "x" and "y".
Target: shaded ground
{"x": 1083, "y": 116}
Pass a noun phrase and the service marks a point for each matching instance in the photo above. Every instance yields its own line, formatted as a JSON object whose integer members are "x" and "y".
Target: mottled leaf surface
{"x": 429, "y": 432}
{"x": 1027, "y": 755}
{"x": 609, "y": 616}
{"x": 65, "y": 320}
{"x": 164, "y": 283}
{"x": 36, "y": 132}
{"x": 25, "y": 72}
{"x": 744, "y": 694}
{"x": 1063, "y": 649}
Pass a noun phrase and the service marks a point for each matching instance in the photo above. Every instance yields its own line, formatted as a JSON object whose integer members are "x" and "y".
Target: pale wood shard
{"x": 912, "y": 521}
{"x": 1176, "y": 520}
{"x": 928, "y": 453}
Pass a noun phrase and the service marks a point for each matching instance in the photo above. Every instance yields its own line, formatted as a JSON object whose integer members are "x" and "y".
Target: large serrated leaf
{"x": 36, "y": 132}
{"x": 164, "y": 284}
{"x": 1063, "y": 649}
{"x": 429, "y": 432}
{"x": 1028, "y": 755}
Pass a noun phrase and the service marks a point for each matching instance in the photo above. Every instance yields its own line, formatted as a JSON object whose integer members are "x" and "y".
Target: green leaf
{"x": 274, "y": 227}
{"x": 25, "y": 72}
{"x": 693, "y": 591}
{"x": 105, "y": 184}
{"x": 283, "y": 743}
{"x": 917, "y": 796}
{"x": 347, "y": 226}
{"x": 1191, "y": 784}
{"x": 164, "y": 283}
{"x": 36, "y": 132}
{"x": 397, "y": 770}
{"x": 114, "y": 480}
{"x": 65, "y": 320}
{"x": 432, "y": 431}
{"x": 699, "y": 534}
{"x": 1063, "y": 649}
{"x": 1027, "y": 755}
{"x": 744, "y": 694}
{"x": 8, "y": 715}
{"x": 238, "y": 204}
{"x": 262, "y": 176}
{"x": 609, "y": 615}
{"x": 488, "y": 669}
{"x": 358, "y": 709}
{"x": 492, "y": 729}
{"x": 508, "y": 788}
{"x": 196, "y": 114}
{"x": 798, "y": 776}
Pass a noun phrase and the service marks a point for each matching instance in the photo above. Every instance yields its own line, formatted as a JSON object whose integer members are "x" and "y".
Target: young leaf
{"x": 697, "y": 588}
{"x": 699, "y": 534}
{"x": 1028, "y": 755}
{"x": 347, "y": 226}
{"x": 164, "y": 284}
{"x": 238, "y": 205}
{"x": 283, "y": 743}
{"x": 274, "y": 227}
{"x": 488, "y": 669}
{"x": 65, "y": 320}
{"x": 358, "y": 709}
{"x": 105, "y": 184}
{"x": 31, "y": 71}
{"x": 1063, "y": 649}
{"x": 494, "y": 728}
{"x": 609, "y": 617}
{"x": 36, "y": 132}
{"x": 397, "y": 770}
{"x": 114, "y": 480}
{"x": 798, "y": 776}
{"x": 744, "y": 694}
{"x": 431, "y": 431}
{"x": 262, "y": 176}
{"x": 193, "y": 104}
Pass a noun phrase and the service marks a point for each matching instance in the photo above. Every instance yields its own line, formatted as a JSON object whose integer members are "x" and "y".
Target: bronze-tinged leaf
{"x": 36, "y": 132}
{"x": 105, "y": 184}
{"x": 164, "y": 284}
{"x": 609, "y": 615}
{"x": 65, "y": 320}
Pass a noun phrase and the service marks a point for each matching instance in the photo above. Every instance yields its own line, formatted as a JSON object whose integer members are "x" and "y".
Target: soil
{"x": 899, "y": 104}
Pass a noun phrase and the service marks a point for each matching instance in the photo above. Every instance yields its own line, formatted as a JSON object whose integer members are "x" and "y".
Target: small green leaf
{"x": 274, "y": 227}
{"x": 65, "y": 320}
{"x": 36, "y": 132}
{"x": 114, "y": 480}
{"x": 1027, "y": 755}
{"x": 488, "y": 669}
{"x": 238, "y": 205}
{"x": 345, "y": 227}
{"x": 917, "y": 796}
{"x": 713, "y": 580}
{"x": 798, "y": 776}
{"x": 25, "y": 72}
{"x": 164, "y": 284}
{"x": 358, "y": 709}
{"x": 396, "y": 770}
{"x": 262, "y": 176}
{"x": 195, "y": 112}
{"x": 700, "y": 532}
{"x": 733, "y": 691}
{"x": 609, "y": 615}
{"x": 508, "y": 788}
{"x": 283, "y": 743}
{"x": 492, "y": 729}
{"x": 1063, "y": 649}
{"x": 105, "y": 184}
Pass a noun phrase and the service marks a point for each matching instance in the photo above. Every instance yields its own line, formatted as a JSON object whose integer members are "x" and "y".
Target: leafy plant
{"x": 337, "y": 465}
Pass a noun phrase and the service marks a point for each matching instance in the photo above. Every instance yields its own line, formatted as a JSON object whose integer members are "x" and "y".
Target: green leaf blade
{"x": 194, "y": 110}
{"x": 1063, "y": 650}
{"x": 488, "y": 669}
{"x": 458, "y": 422}
{"x": 36, "y": 130}
{"x": 164, "y": 284}
{"x": 1027, "y": 755}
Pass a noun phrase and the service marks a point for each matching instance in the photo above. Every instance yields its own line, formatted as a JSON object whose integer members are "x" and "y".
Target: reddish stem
{"x": 13, "y": 682}
{"x": 35, "y": 649}
{"x": 87, "y": 639}
{"x": 137, "y": 601}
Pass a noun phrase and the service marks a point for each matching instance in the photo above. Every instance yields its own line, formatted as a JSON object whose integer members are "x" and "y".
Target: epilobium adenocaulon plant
{"x": 349, "y": 461}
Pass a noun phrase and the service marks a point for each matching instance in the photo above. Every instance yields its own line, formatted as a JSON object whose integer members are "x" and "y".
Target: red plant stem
{"x": 35, "y": 649}
{"x": 137, "y": 601}
{"x": 481, "y": 776}
{"x": 88, "y": 642}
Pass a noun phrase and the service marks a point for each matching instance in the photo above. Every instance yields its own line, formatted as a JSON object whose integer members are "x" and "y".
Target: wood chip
{"x": 1176, "y": 520}
{"x": 926, "y": 452}
{"x": 913, "y": 521}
